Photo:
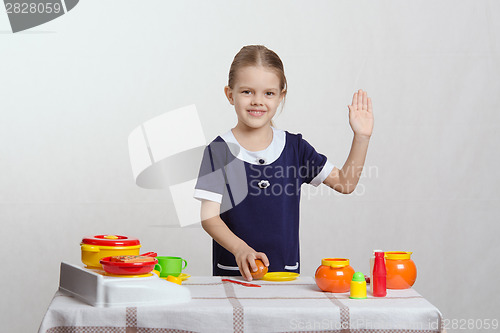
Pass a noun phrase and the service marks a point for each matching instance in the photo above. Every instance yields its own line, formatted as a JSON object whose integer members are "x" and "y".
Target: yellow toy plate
{"x": 182, "y": 276}
{"x": 280, "y": 276}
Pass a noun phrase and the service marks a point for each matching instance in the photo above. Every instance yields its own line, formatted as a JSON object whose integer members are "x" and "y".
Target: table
{"x": 219, "y": 306}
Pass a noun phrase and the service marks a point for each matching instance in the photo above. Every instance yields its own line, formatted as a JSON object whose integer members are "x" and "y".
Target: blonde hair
{"x": 258, "y": 55}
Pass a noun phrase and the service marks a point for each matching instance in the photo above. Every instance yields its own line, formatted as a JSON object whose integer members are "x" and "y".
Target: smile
{"x": 256, "y": 113}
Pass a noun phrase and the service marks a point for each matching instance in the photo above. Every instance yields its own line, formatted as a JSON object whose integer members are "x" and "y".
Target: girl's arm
{"x": 361, "y": 121}
{"x": 245, "y": 256}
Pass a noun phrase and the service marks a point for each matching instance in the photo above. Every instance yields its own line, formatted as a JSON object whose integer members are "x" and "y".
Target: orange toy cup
{"x": 334, "y": 275}
{"x": 401, "y": 270}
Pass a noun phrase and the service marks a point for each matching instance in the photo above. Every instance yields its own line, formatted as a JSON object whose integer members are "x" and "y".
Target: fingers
{"x": 360, "y": 101}
{"x": 262, "y": 256}
{"x": 247, "y": 264}
{"x": 245, "y": 271}
{"x": 253, "y": 266}
{"x": 370, "y": 107}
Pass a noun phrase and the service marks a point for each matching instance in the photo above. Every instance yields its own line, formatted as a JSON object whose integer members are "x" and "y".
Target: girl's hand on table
{"x": 361, "y": 114}
{"x": 245, "y": 258}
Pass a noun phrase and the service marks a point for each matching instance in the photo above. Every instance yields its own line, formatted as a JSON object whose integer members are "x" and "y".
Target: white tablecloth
{"x": 217, "y": 306}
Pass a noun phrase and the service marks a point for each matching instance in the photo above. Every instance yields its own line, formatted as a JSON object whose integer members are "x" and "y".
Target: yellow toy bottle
{"x": 358, "y": 286}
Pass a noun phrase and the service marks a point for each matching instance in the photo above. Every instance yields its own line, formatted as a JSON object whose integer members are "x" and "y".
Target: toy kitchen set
{"x": 116, "y": 275}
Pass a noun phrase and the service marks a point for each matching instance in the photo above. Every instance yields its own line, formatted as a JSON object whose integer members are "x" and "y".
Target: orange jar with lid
{"x": 334, "y": 275}
{"x": 401, "y": 270}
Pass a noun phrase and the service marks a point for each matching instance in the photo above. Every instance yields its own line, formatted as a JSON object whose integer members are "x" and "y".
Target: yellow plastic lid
{"x": 335, "y": 262}
{"x": 398, "y": 255}
{"x": 111, "y": 237}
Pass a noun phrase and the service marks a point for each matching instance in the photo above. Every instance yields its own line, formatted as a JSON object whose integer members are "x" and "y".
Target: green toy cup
{"x": 170, "y": 266}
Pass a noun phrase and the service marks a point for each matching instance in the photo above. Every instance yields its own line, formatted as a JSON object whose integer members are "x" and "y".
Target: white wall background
{"x": 73, "y": 89}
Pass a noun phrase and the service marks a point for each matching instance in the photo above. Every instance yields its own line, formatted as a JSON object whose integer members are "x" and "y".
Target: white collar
{"x": 268, "y": 155}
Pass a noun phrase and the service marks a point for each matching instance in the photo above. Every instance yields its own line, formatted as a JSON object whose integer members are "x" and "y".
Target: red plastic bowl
{"x": 127, "y": 268}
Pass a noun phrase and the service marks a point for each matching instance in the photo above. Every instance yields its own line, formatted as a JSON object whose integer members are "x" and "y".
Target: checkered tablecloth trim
{"x": 131, "y": 327}
{"x": 366, "y": 331}
{"x": 162, "y": 330}
{"x": 105, "y": 329}
{"x": 238, "y": 315}
{"x": 86, "y": 329}
{"x": 131, "y": 317}
{"x": 344, "y": 312}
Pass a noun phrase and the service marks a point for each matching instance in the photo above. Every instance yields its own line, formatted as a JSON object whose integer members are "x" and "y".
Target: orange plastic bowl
{"x": 334, "y": 275}
{"x": 401, "y": 270}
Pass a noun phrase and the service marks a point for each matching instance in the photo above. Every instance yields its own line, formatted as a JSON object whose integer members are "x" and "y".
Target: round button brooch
{"x": 264, "y": 183}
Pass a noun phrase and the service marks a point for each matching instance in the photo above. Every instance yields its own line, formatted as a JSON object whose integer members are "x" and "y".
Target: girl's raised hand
{"x": 361, "y": 114}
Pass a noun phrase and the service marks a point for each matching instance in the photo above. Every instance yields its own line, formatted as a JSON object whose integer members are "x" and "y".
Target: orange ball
{"x": 261, "y": 270}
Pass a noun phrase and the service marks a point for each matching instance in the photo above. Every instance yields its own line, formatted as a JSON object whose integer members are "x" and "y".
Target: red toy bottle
{"x": 379, "y": 276}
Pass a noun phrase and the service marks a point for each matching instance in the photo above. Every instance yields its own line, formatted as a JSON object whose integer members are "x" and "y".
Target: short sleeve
{"x": 211, "y": 182}
{"x": 314, "y": 167}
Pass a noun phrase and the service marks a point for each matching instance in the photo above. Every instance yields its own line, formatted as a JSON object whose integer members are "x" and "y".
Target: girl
{"x": 250, "y": 177}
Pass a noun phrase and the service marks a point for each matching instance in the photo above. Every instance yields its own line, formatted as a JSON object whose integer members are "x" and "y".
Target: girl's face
{"x": 256, "y": 96}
